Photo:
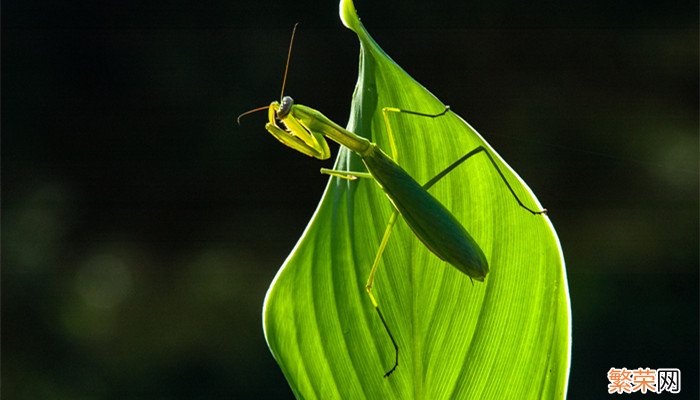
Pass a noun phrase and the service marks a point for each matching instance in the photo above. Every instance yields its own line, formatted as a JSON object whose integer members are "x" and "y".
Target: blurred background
{"x": 141, "y": 227}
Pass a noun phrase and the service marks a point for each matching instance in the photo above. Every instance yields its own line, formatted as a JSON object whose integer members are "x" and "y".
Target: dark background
{"x": 141, "y": 226}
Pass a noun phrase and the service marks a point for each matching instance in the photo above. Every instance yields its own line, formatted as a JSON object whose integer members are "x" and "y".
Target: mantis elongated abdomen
{"x": 429, "y": 220}
{"x": 304, "y": 129}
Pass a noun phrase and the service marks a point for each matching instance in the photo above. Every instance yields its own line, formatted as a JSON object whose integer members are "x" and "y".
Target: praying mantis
{"x": 305, "y": 130}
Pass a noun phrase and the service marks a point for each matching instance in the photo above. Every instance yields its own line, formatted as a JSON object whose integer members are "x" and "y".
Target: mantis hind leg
{"x": 455, "y": 164}
{"x": 390, "y": 224}
{"x": 370, "y": 284}
{"x": 352, "y": 175}
{"x": 464, "y": 158}
{"x": 394, "y": 215}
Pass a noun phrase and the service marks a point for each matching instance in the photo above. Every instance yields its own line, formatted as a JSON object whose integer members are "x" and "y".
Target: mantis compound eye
{"x": 285, "y": 107}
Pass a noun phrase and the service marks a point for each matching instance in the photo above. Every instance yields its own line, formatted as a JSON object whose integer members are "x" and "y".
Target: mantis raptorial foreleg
{"x": 305, "y": 130}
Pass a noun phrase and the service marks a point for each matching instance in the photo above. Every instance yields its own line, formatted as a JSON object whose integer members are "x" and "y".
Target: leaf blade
{"x": 457, "y": 340}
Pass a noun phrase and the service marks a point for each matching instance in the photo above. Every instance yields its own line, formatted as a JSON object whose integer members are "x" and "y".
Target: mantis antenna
{"x": 305, "y": 130}
{"x": 284, "y": 78}
{"x": 289, "y": 56}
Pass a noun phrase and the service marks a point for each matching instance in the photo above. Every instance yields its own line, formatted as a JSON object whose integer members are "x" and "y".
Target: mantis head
{"x": 282, "y": 109}
{"x": 293, "y": 132}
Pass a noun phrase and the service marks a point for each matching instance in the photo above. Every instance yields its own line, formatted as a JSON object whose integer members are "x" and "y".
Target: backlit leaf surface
{"x": 505, "y": 338}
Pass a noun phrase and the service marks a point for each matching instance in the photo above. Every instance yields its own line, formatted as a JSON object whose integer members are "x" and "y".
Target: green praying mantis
{"x": 305, "y": 130}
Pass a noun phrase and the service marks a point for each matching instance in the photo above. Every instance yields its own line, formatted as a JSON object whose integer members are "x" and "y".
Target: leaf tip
{"x": 348, "y": 14}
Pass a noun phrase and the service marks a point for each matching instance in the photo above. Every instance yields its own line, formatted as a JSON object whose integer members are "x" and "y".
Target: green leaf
{"x": 505, "y": 338}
